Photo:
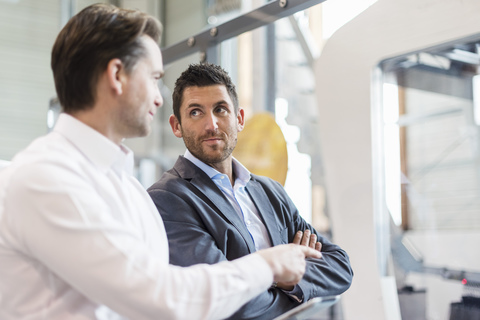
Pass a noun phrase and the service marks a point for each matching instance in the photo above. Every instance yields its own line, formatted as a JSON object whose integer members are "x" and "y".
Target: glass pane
{"x": 432, "y": 177}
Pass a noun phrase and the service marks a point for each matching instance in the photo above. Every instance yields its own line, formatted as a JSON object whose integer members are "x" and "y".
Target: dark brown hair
{"x": 92, "y": 38}
{"x": 202, "y": 75}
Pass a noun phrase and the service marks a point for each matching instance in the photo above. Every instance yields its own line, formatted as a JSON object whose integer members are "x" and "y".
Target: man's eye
{"x": 221, "y": 110}
{"x": 194, "y": 113}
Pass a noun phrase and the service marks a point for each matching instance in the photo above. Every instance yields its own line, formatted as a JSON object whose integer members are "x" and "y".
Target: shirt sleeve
{"x": 57, "y": 217}
{"x": 296, "y": 294}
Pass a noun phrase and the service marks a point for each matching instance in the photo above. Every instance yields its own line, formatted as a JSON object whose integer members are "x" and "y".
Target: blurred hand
{"x": 288, "y": 262}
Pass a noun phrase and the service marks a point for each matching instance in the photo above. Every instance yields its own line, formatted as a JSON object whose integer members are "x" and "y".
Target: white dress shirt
{"x": 238, "y": 198}
{"x": 78, "y": 233}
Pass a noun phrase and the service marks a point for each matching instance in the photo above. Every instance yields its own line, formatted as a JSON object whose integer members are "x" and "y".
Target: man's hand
{"x": 307, "y": 239}
{"x": 288, "y": 262}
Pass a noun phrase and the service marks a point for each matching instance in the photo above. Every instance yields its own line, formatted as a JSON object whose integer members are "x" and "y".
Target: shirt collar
{"x": 241, "y": 173}
{"x": 100, "y": 150}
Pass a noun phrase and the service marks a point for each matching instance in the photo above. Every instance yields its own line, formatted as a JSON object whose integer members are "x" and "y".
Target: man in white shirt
{"x": 79, "y": 236}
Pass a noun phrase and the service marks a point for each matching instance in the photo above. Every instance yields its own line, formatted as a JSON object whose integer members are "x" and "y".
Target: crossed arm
{"x": 307, "y": 239}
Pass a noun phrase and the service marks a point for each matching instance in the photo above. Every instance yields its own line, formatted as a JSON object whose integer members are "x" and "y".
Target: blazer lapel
{"x": 200, "y": 180}
{"x": 265, "y": 209}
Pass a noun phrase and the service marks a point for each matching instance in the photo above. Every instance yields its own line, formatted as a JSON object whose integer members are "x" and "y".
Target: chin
{"x": 140, "y": 132}
{"x": 145, "y": 132}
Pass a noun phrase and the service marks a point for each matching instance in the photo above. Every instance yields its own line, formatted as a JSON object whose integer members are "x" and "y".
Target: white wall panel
{"x": 27, "y": 31}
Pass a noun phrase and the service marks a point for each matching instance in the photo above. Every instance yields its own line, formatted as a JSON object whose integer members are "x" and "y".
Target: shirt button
{"x": 249, "y": 222}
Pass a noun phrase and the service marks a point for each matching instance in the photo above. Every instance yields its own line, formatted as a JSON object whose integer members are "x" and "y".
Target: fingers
{"x": 310, "y": 252}
{"x": 313, "y": 240}
{"x": 298, "y": 237}
{"x": 306, "y": 238}
{"x": 288, "y": 261}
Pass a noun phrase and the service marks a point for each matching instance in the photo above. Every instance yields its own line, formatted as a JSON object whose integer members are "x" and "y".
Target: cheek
{"x": 153, "y": 89}
{"x": 233, "y": 128}
{"x": 188, "y": 134}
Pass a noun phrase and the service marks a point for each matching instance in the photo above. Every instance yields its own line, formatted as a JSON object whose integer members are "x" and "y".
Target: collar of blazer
{"x": 202, "y": 182}
{"x": 211, "y": 194}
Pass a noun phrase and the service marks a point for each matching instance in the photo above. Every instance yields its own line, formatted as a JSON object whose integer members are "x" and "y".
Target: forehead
{"x": 206, "y": 95}
{"x": 153, "y": 56}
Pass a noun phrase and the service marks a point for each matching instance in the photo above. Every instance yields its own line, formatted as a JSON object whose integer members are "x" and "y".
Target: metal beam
{"x": 304, "y": 38}
{"x": 264, "y": 15}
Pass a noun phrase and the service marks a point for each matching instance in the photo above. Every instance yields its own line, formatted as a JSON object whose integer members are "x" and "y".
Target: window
{"x": 431, "y": 157}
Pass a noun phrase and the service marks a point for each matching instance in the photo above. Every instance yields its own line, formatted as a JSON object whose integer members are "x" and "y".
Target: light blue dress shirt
{"x": 239, "y": 198}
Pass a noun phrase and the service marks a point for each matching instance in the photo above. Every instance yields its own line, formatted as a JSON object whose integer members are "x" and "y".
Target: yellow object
{"x": 262, "y": 148}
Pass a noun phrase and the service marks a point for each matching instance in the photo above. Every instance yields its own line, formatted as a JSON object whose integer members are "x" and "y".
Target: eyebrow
{"x": 194, "y": 105}
{"x": 221, "y": 102}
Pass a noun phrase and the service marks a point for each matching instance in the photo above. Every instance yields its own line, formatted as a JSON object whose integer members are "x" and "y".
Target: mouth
{"x": 212, "y": 139}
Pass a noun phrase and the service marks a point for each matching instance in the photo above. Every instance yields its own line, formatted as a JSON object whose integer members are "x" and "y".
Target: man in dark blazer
{"x": 214, "y": 209}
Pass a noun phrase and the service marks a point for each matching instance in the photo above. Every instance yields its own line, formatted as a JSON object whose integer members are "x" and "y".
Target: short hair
{"x": 202, "y": 75}
{"x": 92, "y": 38}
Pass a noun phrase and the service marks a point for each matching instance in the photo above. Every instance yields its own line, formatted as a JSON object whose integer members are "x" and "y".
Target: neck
{"x": 100, "y": 121}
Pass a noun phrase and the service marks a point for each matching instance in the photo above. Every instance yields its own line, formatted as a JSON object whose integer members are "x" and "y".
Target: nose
{"x": 158, "y": 98}
{"x": 159, "y": 101}
{"x": 211, "y": 123}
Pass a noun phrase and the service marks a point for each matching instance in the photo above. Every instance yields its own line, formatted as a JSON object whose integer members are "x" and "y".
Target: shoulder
{"x": 172, "y": 175}
{"x": 48, "y": 173}
{"x": 178, "y": 178}
{"x": 170, "y": 180}
{"x": 49, "y": 160}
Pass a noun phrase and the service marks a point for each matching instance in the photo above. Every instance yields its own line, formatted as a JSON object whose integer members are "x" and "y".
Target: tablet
{"x": 309, "y": 309}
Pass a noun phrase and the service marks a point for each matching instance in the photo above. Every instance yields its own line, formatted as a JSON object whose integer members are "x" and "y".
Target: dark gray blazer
{"x": 203, "y": 227}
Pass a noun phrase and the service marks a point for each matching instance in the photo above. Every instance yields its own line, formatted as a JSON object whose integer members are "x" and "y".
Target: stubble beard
{"x": 137, "y": 129}
{"x": 132, "y": 122}
{"x": 196, "y": 148}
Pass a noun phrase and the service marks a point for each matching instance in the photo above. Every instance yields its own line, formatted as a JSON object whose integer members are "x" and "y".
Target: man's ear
{"x": 116, "y": 75}
{"x": 176, "y": 126}
{"x": 240, "y": 119}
